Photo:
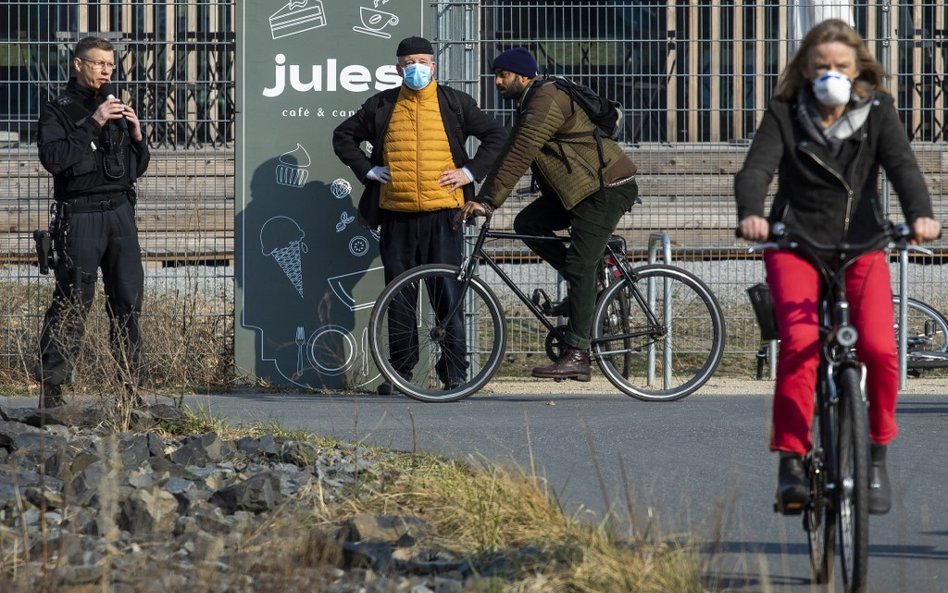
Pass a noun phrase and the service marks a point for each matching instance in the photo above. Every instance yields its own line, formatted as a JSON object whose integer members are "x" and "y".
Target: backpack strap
{"x": 595, "y": 132}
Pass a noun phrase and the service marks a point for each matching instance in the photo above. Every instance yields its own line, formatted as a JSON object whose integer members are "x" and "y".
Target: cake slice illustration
{"x": 292, "y": 171}
{"x": 282, "y": 239}
{"x": 297, "y": 16}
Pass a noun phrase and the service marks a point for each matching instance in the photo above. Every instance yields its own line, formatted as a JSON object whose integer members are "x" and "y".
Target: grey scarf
{"x": 832, "y": 137}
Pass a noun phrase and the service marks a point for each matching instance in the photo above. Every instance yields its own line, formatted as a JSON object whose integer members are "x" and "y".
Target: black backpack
{"x": 604, "y": 112}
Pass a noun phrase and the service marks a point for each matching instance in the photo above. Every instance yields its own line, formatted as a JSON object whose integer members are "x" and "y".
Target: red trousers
{"x": 794, "y": 286}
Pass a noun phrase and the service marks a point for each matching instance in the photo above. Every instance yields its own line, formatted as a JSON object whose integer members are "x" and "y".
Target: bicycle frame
{"x": 837, "y": 466}
{"x": 837, "y": 351}
{"x": 478, "y": 256}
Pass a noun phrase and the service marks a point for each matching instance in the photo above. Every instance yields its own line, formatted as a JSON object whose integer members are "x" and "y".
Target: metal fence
{"x": 175, "y": 65}
{"x": 693, "y": 76}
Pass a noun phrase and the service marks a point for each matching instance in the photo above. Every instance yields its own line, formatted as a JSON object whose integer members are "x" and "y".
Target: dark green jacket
{"x": 568, "y": 167}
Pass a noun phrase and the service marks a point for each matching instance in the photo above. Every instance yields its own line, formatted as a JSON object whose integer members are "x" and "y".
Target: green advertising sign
{"x": 307, "y": 272}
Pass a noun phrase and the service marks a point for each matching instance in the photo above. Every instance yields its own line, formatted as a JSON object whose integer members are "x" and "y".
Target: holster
{"x": 44, "y": 251}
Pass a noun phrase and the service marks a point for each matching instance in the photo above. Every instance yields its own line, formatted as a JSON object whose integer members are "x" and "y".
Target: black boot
{"x": 51, "y": 396}
{"x": 880, "y": 491}
{"x": 792, "y": 487}
{"x": 573, "y": 364}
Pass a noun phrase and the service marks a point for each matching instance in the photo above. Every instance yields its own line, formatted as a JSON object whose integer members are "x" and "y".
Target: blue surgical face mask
{"x": 417, "y": 76}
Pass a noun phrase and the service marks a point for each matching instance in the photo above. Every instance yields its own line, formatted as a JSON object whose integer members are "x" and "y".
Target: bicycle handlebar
{"x": 896, "y": 236}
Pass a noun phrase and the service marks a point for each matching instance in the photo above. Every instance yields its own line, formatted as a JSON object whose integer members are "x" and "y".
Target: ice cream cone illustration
{"x": 292, "y": 170}
{"x": 282, "y": 239}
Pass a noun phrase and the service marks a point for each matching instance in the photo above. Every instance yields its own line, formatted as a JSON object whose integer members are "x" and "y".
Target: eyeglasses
{"x": 99, "y": 64}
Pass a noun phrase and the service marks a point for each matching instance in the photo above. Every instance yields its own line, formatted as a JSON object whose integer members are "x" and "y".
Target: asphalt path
{"x": 696, "y": 469}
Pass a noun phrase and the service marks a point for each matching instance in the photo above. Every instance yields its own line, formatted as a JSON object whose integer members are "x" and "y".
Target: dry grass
{"x": 188, "y": 343}
{"x": 493, "y": 510}
{"x": 475, "y": 513}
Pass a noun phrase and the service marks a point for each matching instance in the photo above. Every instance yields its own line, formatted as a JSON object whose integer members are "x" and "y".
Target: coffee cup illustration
{"x": 374, "y": 20}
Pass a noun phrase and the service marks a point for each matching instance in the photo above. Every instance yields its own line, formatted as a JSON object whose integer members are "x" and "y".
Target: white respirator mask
{"x": 832, "y": 89}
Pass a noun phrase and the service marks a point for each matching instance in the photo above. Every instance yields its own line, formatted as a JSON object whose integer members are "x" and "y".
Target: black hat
{"x": 414, "y": 45}
{"x": 518, "y": 60}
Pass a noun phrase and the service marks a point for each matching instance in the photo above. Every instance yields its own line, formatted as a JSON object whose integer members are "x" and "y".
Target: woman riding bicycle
{"x": 827, "y": 131}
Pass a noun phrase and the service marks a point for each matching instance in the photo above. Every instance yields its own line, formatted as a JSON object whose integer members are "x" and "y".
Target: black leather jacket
{"x": 832, "y": 198}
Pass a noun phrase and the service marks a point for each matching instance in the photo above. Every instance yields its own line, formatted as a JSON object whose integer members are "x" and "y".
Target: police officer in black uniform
{"x": 94, "y": 147}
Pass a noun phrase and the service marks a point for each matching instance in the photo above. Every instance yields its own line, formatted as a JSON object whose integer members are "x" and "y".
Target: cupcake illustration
{"x": 292, "y": 171}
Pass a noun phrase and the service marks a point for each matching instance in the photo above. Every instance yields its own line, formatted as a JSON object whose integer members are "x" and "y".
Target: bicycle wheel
{"x": 424, "y": 350}
{"x": 853, "y": 479}
{"x": 819, "y": 519}
{"x": 673, "y": 333}
{"x": 927, "y": 335}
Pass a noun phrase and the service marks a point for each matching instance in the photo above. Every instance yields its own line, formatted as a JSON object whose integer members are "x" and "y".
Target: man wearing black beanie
{"x": 416, "y": 180}
{"x": 586, "y": 182}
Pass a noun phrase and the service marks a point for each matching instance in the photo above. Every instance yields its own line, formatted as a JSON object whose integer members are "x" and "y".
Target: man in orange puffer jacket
{"x": 417, "y": 179}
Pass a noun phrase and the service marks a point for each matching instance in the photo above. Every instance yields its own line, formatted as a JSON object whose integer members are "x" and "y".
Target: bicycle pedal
{"x": 789, "y": 509}
{"x": 541, "y": 300}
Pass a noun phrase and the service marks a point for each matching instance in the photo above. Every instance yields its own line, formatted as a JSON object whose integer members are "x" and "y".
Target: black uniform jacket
{"x": 72, "y": 146}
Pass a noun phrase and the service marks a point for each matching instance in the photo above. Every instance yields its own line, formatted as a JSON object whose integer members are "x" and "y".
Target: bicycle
{"x": 926, "y": 338}
{"x": 838, "y": 463}
{"x": 661, "y": 319}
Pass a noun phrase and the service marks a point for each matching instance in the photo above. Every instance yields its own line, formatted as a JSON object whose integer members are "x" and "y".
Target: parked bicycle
{"x": 926, "y": 338}
{"x": 837, "y": 509}
{"x": 658, "y": 331}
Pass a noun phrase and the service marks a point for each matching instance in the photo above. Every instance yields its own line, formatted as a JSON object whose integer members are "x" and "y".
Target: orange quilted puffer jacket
{"x": 416, "y": 151}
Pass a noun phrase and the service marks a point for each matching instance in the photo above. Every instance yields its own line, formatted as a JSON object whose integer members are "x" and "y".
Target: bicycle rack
{"x": 660, "y": 242}
{"x": 903, "y": 319}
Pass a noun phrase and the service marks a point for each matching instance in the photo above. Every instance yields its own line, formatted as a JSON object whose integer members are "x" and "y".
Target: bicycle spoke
{"x": 661, "y": 338}
{"x": 432, "y": 341}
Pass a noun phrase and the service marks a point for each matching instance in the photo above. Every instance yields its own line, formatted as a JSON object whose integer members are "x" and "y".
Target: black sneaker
{"x": 386, "y": 388}
{"x": 792, "y": 487}
{"x": 880, "y": 490}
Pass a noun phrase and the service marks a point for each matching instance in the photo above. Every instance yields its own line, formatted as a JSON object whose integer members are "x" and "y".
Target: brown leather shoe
{"x": 573, "y": 364}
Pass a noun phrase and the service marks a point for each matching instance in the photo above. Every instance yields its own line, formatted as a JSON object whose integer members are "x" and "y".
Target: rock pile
{"x": 80, "y": 504}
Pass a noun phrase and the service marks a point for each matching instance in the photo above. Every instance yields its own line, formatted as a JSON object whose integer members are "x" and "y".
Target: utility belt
{"x": 51, "y": 243}
{"x": 97, "y": 202}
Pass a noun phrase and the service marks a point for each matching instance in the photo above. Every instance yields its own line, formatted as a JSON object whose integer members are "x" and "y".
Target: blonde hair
{"x": 871, "y": 72}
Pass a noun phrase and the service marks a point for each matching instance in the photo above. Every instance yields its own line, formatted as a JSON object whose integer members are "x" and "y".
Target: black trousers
{"x": 106, "y": 239}
{"x": 592, "y": 222}
{"x": 412, "y": 239}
